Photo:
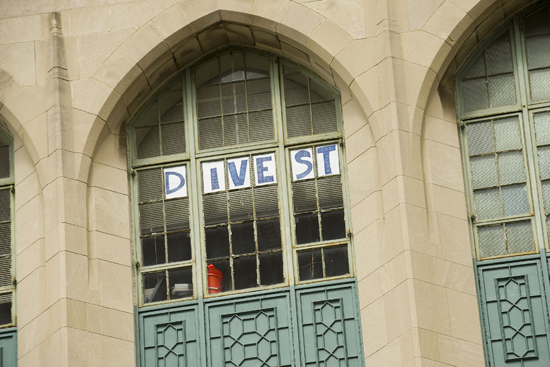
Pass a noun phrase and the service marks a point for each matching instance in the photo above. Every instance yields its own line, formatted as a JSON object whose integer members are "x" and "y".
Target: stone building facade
{"x": 74, "y": 74}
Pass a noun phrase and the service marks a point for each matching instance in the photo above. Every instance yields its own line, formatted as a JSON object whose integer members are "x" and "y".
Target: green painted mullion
{"x": 277, "y": 86}
{"x": 193, "y": 176}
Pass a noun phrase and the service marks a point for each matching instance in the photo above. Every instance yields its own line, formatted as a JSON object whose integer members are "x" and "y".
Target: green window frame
{"x": 201, "y": 131}
{"x": 503, "y": 106}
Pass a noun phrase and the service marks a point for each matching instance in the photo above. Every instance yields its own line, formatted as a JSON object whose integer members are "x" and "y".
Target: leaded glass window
{"x": 504, "y": 98}
{"x": 238, "y": 180}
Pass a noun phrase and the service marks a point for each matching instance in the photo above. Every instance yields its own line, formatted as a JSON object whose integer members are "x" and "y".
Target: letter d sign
{"x": 175, "y": 184}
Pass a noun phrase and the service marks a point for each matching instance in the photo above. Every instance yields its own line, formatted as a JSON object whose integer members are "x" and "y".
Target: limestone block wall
{"x": 73, "y": 72}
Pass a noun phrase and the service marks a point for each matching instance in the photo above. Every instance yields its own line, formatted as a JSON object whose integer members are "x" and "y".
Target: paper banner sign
{"x": 238, "y": 173}
{"x": 175, "y": 184}
{"x": 302, "y": 162}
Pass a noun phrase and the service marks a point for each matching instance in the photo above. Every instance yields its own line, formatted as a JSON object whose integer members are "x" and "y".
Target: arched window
{"x": 504, "y": 111}
{"x": 238, "y": 186}
{"x": 239, "y": 180}
{"x": 7, "y": 273}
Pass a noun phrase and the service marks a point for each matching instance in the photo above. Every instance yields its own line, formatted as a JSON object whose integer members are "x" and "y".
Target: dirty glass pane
{"x": 333, "y": 225}
{"x": 507, "y": 134}
{"x": 324, "y": 117}
{"x": 544, "y": 162}
{"x": 5, "y": 308}
{"x": 271, "y": 268}
{"x": 310, "y": 264}
{"x": 5, "y": 205}
{"x": 5, "y": 271}
{"x": 233, "y": 98}
{"x": 208, "y": 101}
{"x": 152, "y": 250}
{"x": 4, "y": 159}
{"x": 242, "y": 238}
{"x": 215, "y": 208}
{"x": 307, "y": 228}
{"x": 147, "y": 140}
{"x": 336, "y": 261}
{"x": 491, "y": 240}
{"x": 177, "y": 214}
{"x": 261, "y": 126}
{"x": 510, "y": 168}
{"x": 304, "y": 196}
{"x": 150, "y": 184}
{"x": 210, "y": 133}
{"x": 5, "y": 238}
{"x": 502, "y": 89}
{"x": 173, "y": 138}
{"x": 154, "y": 287}
{"x": 499, "y": 55}
{"x": 538, "y": 80}
{"x": 514, "y": 200}
{"x": 259, "y": 94}
{"x": 519, "y": 237}
{"x": 480, "y": 138}
{"x": 244, "y": 272}
{"x": 484, "y": 171}
{"x": 296, "y": 89}
{"x": 179, "y": 246}
{"x": 235, "y": 129}
{"x": 330, "y": 192}
{"x": 181, "y": 282}
{"x": 151, "y": 218}
{"x": 267, "y": 201}
{"x": 542, "y": 128}
{"x": 240, "y": 205}
{"x": 487, "y": 203}
{"x": 546, "y": 196}
{"x": 475, "y": 94}
{"x": 217, "y": 242}
{"x": 298, "y": 121}
{"x": 269, "y": 234}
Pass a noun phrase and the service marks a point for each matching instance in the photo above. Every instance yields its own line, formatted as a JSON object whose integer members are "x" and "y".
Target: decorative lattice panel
{"x": 8, "y": 348}
{"x": 169, "y": 338}
{"x": 250, "y": 332}
{"x": 329, "y": 327}
{"x": 515, "y": 314}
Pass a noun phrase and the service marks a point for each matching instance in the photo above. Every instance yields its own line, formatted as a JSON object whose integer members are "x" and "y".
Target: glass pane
{"x": 171, "y": 107}
{"x": 487, "y": 204}
{"x": 240, "y": 205}
{"x": 271, "y": 268}
{"x": 5, "y": 238}
{"x": 296, "y": 89}
{"x": 503, "y": 90}
{"x": 514, "y": 199}
{"x": 519, "y": 236}
{"x": 491, "y": 240}
{"x": 5, "y": 308}
{"x": 484, "y": 171}
{"x": 154, "y": 287}
{"x": 537, "y": 49}
{"x": 537, "y": 23}
{"x": 5, "y": 271}
{"x": 475, "y": 94}
{"x": 244, "y": 272}
{"x": 208, "y": 101}
{"x": 256, "y": 67}
{"x": 310, "y": 263}
{"x": 507, "y": 134}
{"x": 4, "y": 161}
{"x": 330, "y": 192}
{"x": 150, "y": 185}
{"x": 208, "y": 73}
{"x": 152, "y": 250}
{"x": 151, "y": 218}
{"x": 5, "y": 205}
{"x": 269, "y": 234}
{"x": 177, "y": 214}
{"x": 232, "y": 67}
{"x": 234, "y": 98}
{"x": 333, "y": 225}
{"x": 477, "y": 69}
{"x": 259, "y": 94}
{"x": 544, "y": 162}
{"x": 217, "y": 242}
{"x": 215, "y": 208}
{"x": 546, "y": 196}
{"x": 303, "y": 195}
{"x": 510, "y": 168}
{"x": 336, "y": 261}
{"x": 147, "y": 140}
{"x": 480, "y": 138}
{"x": 173, "y": 139}
{"x": 261, "y": 126}
{"x": 181, "y": 283}
{"x": 242, "y": 238}
{"x": 149, "y": 118}
{"x": 542, "y": 127}
{"x": 235, "y": 129}
{"x": 210, "y": 133}
{"x": 267, "y": 201}
{"x": 324, "y": 117}
{"x": 307, "y": 228}
{"x": 538, "y": 81}
{"x": 499, "y": 55}
{"x": 179, "y": 246}
{"x": 318, "y": 93}
{"x": 298, "y": 121}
